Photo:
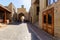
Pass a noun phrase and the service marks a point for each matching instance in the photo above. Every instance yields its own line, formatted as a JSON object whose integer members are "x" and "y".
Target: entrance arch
{"x": 20, "y": 15}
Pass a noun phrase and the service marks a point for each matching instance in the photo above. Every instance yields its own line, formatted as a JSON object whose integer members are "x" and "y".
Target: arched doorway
{"x": 20, "y": 15}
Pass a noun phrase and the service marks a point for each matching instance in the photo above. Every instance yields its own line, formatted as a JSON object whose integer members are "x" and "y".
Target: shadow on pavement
{"x": 18, "y": 23}
{"x": 15, "y": 23}
{"x": 33, "y": 36}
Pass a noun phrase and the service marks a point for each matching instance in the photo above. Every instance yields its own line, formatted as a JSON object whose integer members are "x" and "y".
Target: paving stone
{"x": 17, "y": 32}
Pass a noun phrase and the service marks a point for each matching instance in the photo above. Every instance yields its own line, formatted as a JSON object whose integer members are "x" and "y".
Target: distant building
{"x": 22, "y": 12}
{"x": 10, "y": 13}
{"x": 4, "y": 14}
{"x": 34, "y": 11}
{"x": 12, "y": 8}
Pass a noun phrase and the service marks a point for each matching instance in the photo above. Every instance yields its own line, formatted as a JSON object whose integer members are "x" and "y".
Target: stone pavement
{"x": 2, "y": 25}
{"x": 23, "y": 31}
{"x": 42, "y": 35}
{"x": 17, "y": 31}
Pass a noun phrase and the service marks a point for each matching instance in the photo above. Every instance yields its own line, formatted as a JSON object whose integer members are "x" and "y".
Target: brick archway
{"x": 20, "y": 15}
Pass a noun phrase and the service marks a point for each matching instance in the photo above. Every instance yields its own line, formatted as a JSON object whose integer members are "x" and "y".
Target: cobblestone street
{"x": 17, "y": 32}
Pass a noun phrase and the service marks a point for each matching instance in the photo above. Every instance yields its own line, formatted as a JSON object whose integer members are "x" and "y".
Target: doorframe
{"x": 46, "y": 12}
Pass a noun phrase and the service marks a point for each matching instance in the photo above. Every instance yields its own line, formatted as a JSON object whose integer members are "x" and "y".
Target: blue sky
{"x": 17, "y": 3}
{"x": 52, "y": 1}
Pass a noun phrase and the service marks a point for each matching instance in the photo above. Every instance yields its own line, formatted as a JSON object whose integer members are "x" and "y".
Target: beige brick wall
{"x": 21, "y": 10}
{"x": 32, "y": 1}
{"x": 42, "y": 7}
{"x": 56, "y": 18}
{"x": 33, "y": 11}
{"x": 12, "y": 8}
{"x": 40, "y": 19}
{"x": 42, "y": 4}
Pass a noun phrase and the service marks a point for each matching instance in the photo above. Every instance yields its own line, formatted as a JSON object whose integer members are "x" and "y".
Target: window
{"x": 51, "y": 1}
{"x": 49, "y": 19}
{"x": 44, "y": 18}
{"x": 37, "y": 10}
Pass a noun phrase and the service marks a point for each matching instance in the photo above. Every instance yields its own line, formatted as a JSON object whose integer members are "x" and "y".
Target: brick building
{"x": 34, "y": 11}
{"x": 4, "y": 14}
{"x": 22, "y": 12}
{"x": 49, "y": 17}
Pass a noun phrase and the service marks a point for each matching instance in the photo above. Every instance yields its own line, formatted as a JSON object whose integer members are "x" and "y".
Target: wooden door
{"x": 48, "y": 21}
{"x": 44, "y": 23}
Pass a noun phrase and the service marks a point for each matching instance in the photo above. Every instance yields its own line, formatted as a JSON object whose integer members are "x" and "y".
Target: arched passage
{"x": 20, "y": 16}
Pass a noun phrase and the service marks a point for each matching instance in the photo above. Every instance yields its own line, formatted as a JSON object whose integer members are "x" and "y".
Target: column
{"x": 5, "y": 17}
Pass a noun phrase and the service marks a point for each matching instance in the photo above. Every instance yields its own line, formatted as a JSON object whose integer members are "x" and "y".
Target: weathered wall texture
{"x": 42, "y": 7}
{"x": 56, "y": 18}
{"x": 12, "y": 8}
{"x": 33, "y": 11}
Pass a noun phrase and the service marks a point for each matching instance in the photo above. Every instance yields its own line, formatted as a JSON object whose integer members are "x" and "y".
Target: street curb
{"x": 35, "y": 34}
{"x": 52, "y": 38}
